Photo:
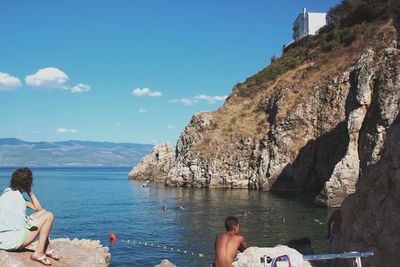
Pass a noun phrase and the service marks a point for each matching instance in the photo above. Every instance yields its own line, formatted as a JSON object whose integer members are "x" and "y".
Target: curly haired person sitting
{"x": 17, "y": 231}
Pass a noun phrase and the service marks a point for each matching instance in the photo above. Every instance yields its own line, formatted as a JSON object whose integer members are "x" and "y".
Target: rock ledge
{"x": 88, "y": 253}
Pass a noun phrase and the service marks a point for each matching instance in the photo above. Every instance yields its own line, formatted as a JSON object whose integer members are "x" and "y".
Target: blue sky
{"x": 69, "y": 69}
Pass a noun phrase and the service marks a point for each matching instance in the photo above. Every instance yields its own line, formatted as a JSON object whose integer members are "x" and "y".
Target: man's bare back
{"x": 227, "y": 246}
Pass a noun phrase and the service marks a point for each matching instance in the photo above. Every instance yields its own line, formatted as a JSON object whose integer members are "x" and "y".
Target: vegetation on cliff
{"x": 354, "y": 26}
{"x": 309, "y": 121}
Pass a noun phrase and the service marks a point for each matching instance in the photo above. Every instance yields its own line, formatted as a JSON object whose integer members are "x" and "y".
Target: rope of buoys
{"x": 113, "y": 239}
{"x": 178, "y": 250}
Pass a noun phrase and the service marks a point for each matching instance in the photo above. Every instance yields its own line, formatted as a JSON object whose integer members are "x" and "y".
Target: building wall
{"x": 308, "y": 23}
{"x": 298, "y": 27}
{"x": 315, "y": 22}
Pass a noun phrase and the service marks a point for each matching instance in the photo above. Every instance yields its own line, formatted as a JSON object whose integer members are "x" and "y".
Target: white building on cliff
{"x": 308, "y": 23}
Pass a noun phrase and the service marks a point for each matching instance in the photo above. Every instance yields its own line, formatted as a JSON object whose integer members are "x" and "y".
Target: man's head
{"x": 232, "y": 224}
{"x": 21, "y": 180}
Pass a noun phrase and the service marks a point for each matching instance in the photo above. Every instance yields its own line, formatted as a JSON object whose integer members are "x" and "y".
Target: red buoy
{"x": 113, "y": 237}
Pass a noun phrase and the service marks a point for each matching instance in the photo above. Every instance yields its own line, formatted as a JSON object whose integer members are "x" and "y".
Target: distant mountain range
{"x": 16, "y": 152}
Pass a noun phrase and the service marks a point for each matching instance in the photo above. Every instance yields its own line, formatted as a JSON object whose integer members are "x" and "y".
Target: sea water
{"x": 89, "y": 202}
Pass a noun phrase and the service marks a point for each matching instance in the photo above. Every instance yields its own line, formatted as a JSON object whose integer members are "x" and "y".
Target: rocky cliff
{"x": 370, "y": 216}
{"x": 311, "y": 121}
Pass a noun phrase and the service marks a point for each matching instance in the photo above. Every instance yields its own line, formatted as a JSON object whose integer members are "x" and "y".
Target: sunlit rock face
{"x": 316, "y": 128}
{"x": 155, "y": 166}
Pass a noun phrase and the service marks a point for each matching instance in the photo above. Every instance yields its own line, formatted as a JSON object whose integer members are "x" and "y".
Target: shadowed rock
{"x": 302, "y": 245}
{"x": 395, "y": 7}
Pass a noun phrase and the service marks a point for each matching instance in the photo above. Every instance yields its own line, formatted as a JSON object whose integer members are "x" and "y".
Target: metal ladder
{"x": 356, "y": 255}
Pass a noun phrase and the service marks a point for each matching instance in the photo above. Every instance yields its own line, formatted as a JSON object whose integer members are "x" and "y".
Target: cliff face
{"x": 312, "y": 126}
{"x": 316, "y": 118}
{"x": 370, "y": 216}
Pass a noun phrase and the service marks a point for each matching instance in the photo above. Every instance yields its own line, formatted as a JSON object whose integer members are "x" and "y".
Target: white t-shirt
{"x": 12, "y": 219}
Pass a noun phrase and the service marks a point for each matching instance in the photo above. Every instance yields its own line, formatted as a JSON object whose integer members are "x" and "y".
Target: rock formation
{"x": 73, "y": 253}
{"x": 302, "y": 245}
{"x": 311, "y": 121}
{"x": 155, "y": 166}
{"x": 370, "y": 216}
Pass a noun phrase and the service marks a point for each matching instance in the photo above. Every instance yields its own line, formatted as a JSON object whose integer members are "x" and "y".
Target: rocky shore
{"x": 73, "y": 253}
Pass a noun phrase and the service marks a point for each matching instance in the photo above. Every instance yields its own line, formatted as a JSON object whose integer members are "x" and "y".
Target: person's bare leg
{"x": 37, "y": 215}
{"x": 43, "y": 242}
{"x": 43, "y": 233}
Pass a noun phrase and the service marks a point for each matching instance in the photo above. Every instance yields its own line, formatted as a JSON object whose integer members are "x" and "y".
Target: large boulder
{"x": 371, "y": 215}
{"x": 302, "y": 245}
{"x": 73, "y": 253}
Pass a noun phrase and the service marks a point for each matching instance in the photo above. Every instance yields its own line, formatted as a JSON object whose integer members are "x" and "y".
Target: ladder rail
{"x": 347, "y": 255}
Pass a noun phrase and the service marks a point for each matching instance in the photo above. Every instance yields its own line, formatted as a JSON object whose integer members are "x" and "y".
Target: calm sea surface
{"x": 90, "y": 202}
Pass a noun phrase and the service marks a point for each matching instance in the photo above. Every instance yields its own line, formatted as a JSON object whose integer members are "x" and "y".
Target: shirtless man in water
{"x": 228, "y": 244}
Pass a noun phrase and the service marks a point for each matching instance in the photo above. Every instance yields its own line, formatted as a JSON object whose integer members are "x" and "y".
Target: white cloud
{"x": 53, "y": 79}
{"x": 210, "y": 99}
{"x": 8, "y": 82}
{"x": 48, "y": 79}
{"x": 142, "y": 110}
{"x": 145, "y": 92}
{"x": 152, "y": 94}
{"x": 170, "y": 126}
{"x": 184, "y": 101}
{"x": 220, "y": 98}
{"x": 64, "y": 130}
{"x": 80, "y": 88}
{"x": 198, "y": 98}
{"x": 117, "y": 124}
{"x": 154, "y": 142}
